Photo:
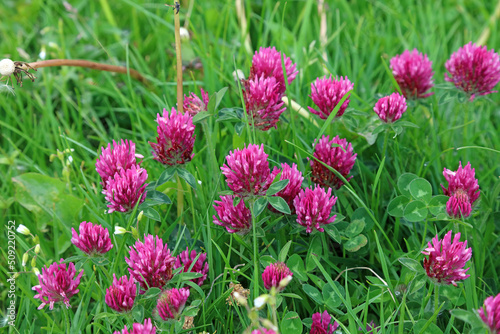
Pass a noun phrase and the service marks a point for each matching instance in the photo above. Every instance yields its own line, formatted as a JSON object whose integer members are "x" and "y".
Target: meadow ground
{"x": 365, "y": 267}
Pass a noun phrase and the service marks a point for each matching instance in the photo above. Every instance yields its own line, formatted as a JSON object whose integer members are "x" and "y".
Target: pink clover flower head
{"x": 263, "y": 330}
{"x": 193, "y": 104}
{"x": 267, "y": 62}
{"x": 120, "y": 296}
{"x": 171, "y": 303}
{"x": 326, "y": 93}
{"x": 314, "y": 207}
{"x": 447, "y": 259}
{"x": 175, "y": 141}
{"x": 263, "y": 102}
{"x": 413, "y": 73}
{"x": 293, "y": 187}
{"x": 340, "y": 158}
{"x": 490, "y": 313}
{"x": 58, "y": 283}
{"x": 236, "y": 219}
{"x": 185, "y": 259}
{"x": 93, "y": 239}
{"x": 463, "y": 190}
{"x": 474, "y": 70}
{"x": 247, "y": 171}
{"x": 322, "y": 324}
{"x": 390, "y": 108}
{"x": 146, "y": 328}
{"x": 150, "y": 263}
{"x": 274, "y": 274}
{"x": 124, "y": 190}
{"x": 115, "y": 158}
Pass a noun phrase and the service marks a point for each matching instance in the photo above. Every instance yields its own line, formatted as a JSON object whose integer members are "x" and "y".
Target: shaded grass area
{"x": 82, "y": 110}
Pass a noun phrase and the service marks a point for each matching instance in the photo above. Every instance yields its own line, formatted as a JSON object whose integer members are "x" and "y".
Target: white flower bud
{"x": 120, "y": 230}
{"x": 284, "y": 282}
{"x": 25, "y": 259}
{"x": 37, "y": 249}
{"x": 36, "y": 271}
{"x": 238, "y": 75}
{"x": 260, "y": 301}
{"x": 184, "y": 34}
{"x": 140, "y": 215}
{"x": 23, "y": 229}
{"x": 7, "y": 67}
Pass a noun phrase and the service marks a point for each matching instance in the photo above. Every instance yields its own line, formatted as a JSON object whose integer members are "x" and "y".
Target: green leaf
{"x": 266, "y": 260}
{"x": 354, "y": 228}
{"x": 397, "y": 205}
{"x": 354, "y": 244}
{"x": 423, "y": 327}
{"x": 404, "y": 183}
{"x": 166, "y": 175}
{"x": 151, "y": 293}
{"x": 290, "y": 295}
{"x": 228, "y": 114}
{"x": 284, "y": 251}
{"x": 333, "y": 233}
{"x": 467, "y": 316}
{"x": 259, "y": 206}
{"x": 44, "y": 195}
{"x": 152, "y": 214}
{"x": 279, "y": 204}
{"x": 296, "y": 266}
{"x": 238, "y": 128}
{"x": 331, "y": 298}
{"x": 138, "y": 313}
{"x": 437, "y": 204}
{"x": 291, "y": 324}
{"x": 421, "y": 189}
{"x": 407, "y": 124}
{"x": 362, "y": 214}
{"x": 313, "y": 293}
{"x": 100, "y": 261}
{"x": 187, "y": 176}
{"x": 201, "y": 116}
{"x": 411, "y": 264}
{"x": 276, "y": 187}
{"x": 415, "y": 211}
{"x": 190, "y": 311}
{"x": 155, "y": 197}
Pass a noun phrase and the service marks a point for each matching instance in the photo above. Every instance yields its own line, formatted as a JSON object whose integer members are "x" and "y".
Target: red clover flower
{"x": 57, "y": 284}
{"x": 263, "y": 102}
{"x": 327, "y": 93}
{"x": 413, "y": 73}
{"x": 447, "y": 259}
{"x": 93, "y": 239}
{"x": 340, "y": 158}
{"x": 120, "y": 296}
{"x": 390, "y": 108}
{"x": 236, "y": 219}
{"x": 263, "y": 330}
{"x": 274, "y": 274}
{"x": 125, "y": 188}
{"x": 294, "y": 185}
{"x": 490, "y": 313}
{"x": 116, "y": 157}
{"x": 314, "y": 207}
{"x": 322, "y": 324}
{"x": 175, "y": 139}
{"x": 171, "y": 303}
{"x": 463, "y": 190}
{"x": 150, "y": 263}
{"x": 247, "y": 171}
{"x": 185, "y": 259}
{"x": 267, "y": 62}
{"x": 193, "y": 104}
{"x": 474, "y": 70}
{"x": 146, "y": 328}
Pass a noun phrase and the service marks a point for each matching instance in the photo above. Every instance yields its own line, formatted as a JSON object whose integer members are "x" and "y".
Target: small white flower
{"x": 260, "y": 301}
{"x": 120, "y": 230}
{"x": 25, "y": 259}
{"x": 36, "y": 271}
{"x": 284, "y": 282}
{"x": 184, "y": 34}
{"x": 37, "y": 249}
{"x": 7, "y": 67}
{"x": 23, "y": 229}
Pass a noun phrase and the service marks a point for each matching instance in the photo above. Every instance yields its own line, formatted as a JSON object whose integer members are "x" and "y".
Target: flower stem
{"x": 66, "y": 318}
{"x": 255, "y": 254}
{"x": 211, "y": 150}
{"x": 180, "y": 199}
{"x": 180, "y": 105}
{"x": 436, "y": 299}
{"x": 386, "y": 139}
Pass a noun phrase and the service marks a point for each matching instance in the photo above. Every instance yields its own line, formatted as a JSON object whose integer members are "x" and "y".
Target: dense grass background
{"x": 72, "y": 108}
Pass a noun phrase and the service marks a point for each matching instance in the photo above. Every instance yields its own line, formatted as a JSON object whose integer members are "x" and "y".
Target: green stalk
{"x": 66, "y": 318}
{"x": 255, "y": 254}
{"x": 436, "y": 299}
{"x": 211, "y": 150}
{"x": 386, "y": 137}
